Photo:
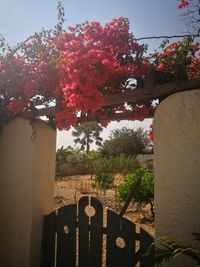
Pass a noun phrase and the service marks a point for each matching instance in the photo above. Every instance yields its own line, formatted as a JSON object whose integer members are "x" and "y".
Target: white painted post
{"x": 177, "y": 168}
{"x": 27, "y": 171}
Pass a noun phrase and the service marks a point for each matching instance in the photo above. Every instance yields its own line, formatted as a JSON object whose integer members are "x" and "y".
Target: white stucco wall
{"x": 177, "y": 168}
{"x": 27, "y": 170}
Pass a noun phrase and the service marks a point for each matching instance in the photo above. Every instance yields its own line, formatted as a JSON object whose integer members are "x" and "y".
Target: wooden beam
{"x": 112, "y": 117}
{"x": 161, "y": 90}
{"x": 175, "y": 87}
{"x": 58, "y": 103}
{"x": 50, "y": 111}
{"x": 136, "y": 95}
{"x": 149, "y": 83}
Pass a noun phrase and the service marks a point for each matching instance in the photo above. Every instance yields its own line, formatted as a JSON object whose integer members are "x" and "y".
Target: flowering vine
{"x": 179, "y": 60}
{"x": 82, "y": 66}
{"x": 96, "y": 61}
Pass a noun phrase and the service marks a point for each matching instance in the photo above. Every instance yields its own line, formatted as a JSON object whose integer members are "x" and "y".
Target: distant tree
{"x": 69, "y": 155}
{"x": 75, "y": 157}
{"x": 89, "y": 159}
{"x": 128, "y": 142}
{"x": 62, "y": 154}
{"x": 86, "y": 134}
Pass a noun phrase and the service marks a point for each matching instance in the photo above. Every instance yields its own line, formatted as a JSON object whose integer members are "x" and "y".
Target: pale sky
{"x": 21, "y": 18}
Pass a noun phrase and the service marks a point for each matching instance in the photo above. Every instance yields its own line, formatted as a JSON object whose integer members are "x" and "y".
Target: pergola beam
{"x": 161, "y": 90}
{"x": 136, "y": 96}
{"x": 112, "y": 117}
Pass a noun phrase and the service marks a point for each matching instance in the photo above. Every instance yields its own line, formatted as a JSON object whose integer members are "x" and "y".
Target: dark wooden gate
{"x": 77, "y": 236}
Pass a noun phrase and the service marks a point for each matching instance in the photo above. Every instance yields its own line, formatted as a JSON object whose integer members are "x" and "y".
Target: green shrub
{"x": 103, "y": 180}
{"x": 124, "y": 164}
{"x": 145, "y": 192}
{"x": 120, "y": 164}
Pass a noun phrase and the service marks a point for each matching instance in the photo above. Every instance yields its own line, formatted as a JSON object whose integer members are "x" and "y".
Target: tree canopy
{"x": 128, "y": 142}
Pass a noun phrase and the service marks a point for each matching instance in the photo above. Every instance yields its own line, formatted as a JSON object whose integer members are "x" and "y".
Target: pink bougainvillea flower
{"x": 183, "y": 3}
{"x": 17, "y": 106}
{"x": 160, "y": 67}
{"x": 150, "y": 134}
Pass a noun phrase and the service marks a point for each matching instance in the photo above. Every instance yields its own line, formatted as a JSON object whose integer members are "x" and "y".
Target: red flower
{"x": 194, "y": 68}
{"x": 17, "y": 106}
{"x": 81, "y": 66}
{"x": 183, "y": 3}
{"x": 30, "y": 88}
{"x": 160, "y": 67}
{"x": 150, "y": 134}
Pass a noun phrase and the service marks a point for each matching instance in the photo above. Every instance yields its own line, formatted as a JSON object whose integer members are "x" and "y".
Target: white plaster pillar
{"x": 177, "y": 168}
{"x": 27, "y": 171}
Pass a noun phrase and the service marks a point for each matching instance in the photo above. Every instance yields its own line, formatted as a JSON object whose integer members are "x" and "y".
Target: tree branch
{"x": 166, "y": 37}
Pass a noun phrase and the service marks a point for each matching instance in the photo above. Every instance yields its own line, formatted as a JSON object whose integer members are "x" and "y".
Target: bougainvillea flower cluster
{"x": 96, "y": 61}
{"x": 84, "y": 65}
{"x": 183, "y": 3}
{"x": 179, "y": 60}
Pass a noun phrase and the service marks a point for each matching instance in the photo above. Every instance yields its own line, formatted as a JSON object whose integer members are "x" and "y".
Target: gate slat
{"x": 87, "y": 245}
{"x": 83, "y": 223}
{"x": 48, "y": 241}
{"x": 120, "y": 227}
{"x": 96, "y": 234}
{"x": 66, "y": 236}
{"x": 145, "y": 241}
